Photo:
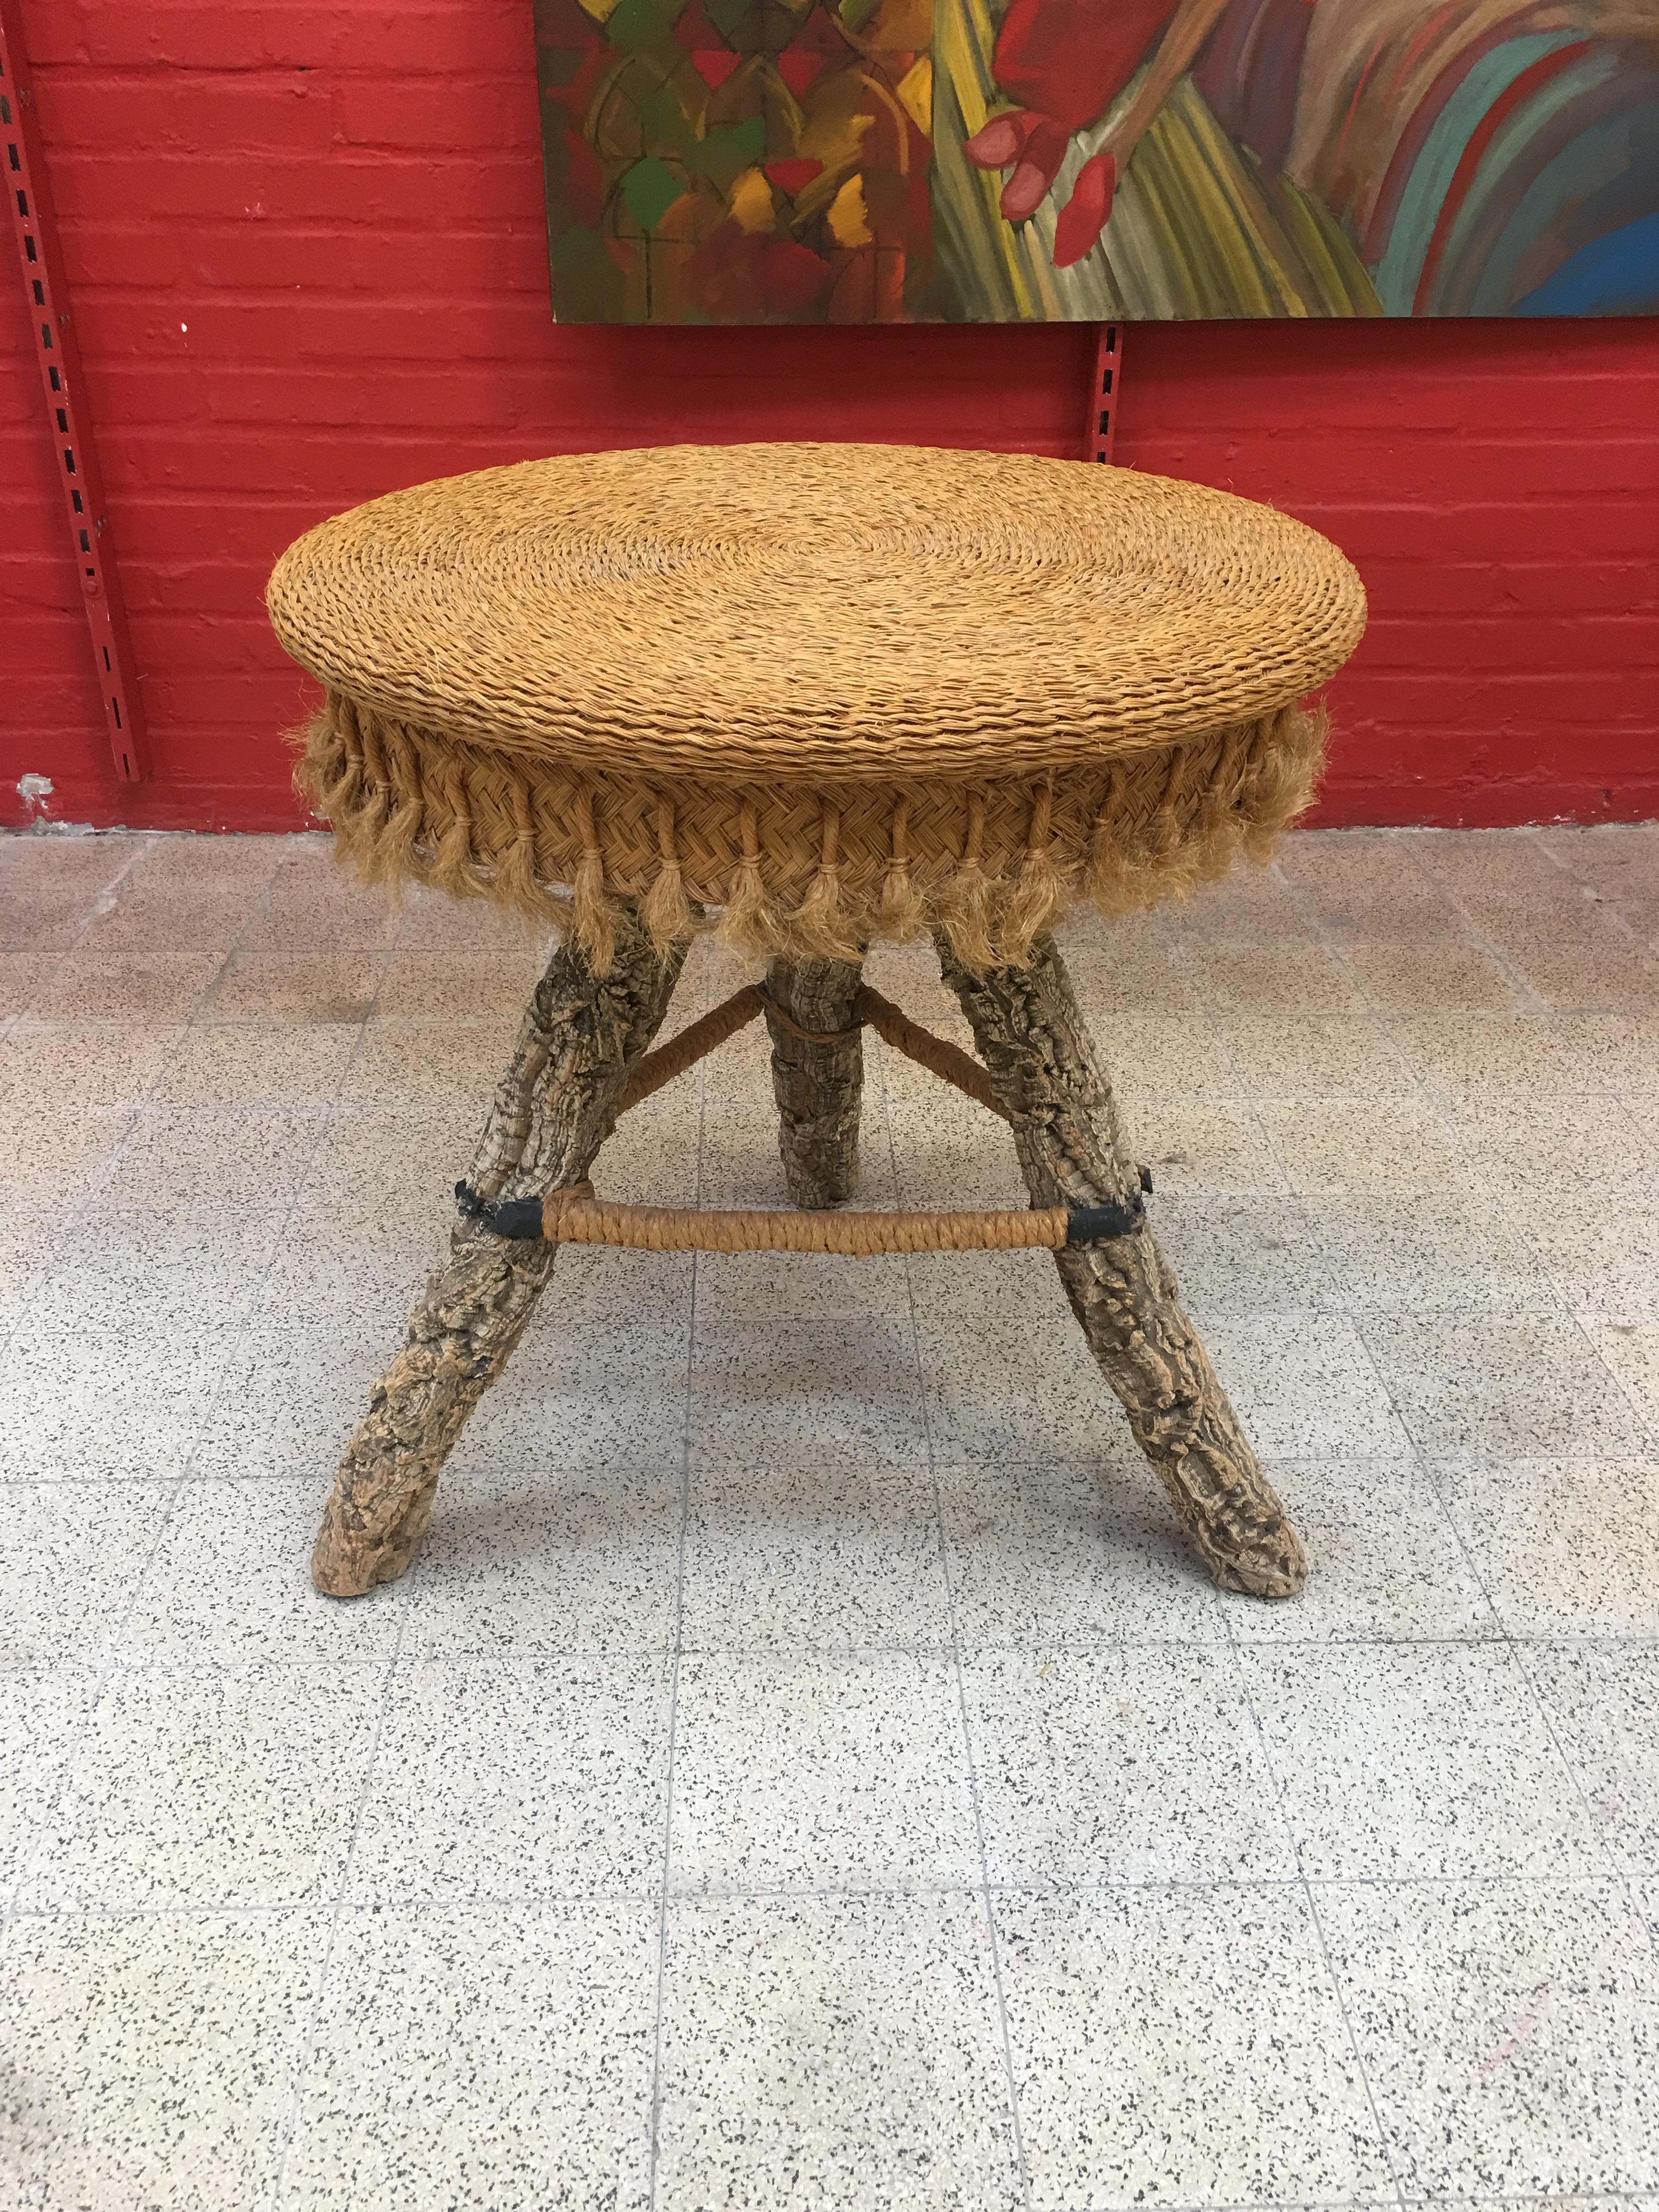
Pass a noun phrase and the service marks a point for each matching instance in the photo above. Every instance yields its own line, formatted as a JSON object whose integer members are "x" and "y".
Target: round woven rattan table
{"x": 807, "y": 697}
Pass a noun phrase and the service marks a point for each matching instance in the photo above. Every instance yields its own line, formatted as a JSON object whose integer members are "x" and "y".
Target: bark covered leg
{"x": 552, "y": 1110}
{"x": 818, "y": 1086}
{"x": 1043, "y": 1070}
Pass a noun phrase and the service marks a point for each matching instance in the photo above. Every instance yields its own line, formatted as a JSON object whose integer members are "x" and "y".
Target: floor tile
{"x": 405, "y": 1159}
{"x": 156, "y": 2057}
{"x": 1465, "y": 1381}
{"x": 312, "y": 899}
{"x": 1602, "y": 1700}
{"x": 1395, "y": 1144}
{"x": 415, "y": 1062}
{"x": 1463, "y": 1054}
{"x": 1630, "y": 1350}
{"x": 289, "y": 1395}
{"x": 158, "y": 1273}
{"x": 1510, "y": 2033}
{"x": 833, "y": 1559}
{"x": 127, "y": 1406}
{"x": 1182, "y": 2046}
{"x": 1601, "y": 1249}
{"x": 1192, "y": 1144}
{"x": 527, "y": 1778}
{"x": 70, "y": 1065}
{"x": 805, "y": 1394}
{"x": 296, "y": 1064}
{"x": 71, "y": 1556}
{"x": 449, "y": 986}
{"x": 1278, "y": 1056}
{"x": 95, "y": 981}
{"x": 1138, "y": 1765}
{"x": 1303, "y": 1385}
{"x": 1298, "y": 980}
{"x": 746, "y": 1290}
{"x": 1415, "y": 1759}
{"x": 543, "y": 1563}
{"x": 216, "y": 1162}
{"x": 1579, "y": 960}
{"x": 1618, "y": 862}
{"x": 1019, "y": 1391}
{"x": 1385, "y": 1560}
{"x": 294, "y": 983}
{"x": 1485, "y": 872}
{"x": 49, "y": 887}
{"x": 833, "y": 2050}
{"x": 43, "y": 1717}
{"x": 1255, "y": 1254}
{"x": 820, "y": 1773}
{"x": 584, "y": 1399}
{"x": 1043, "y": 1556}
{"x": 229, "y": 1584}
{"x": 1445, "y": 1247}
{"x": 1251, "y": 906}
{"x": 1432, "y": 974}
{"x": 1565, "y": 1547}
{"x": 55, "y": 1155}
{"x": 231, "y": 1788}
{"x": 482, "y": 2057}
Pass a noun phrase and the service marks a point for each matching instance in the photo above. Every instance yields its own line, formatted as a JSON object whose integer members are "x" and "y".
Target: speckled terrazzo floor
{"x": 802, "y": 1769}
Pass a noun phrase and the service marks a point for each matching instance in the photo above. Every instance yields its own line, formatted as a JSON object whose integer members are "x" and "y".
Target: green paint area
{"x": 650, "y": 189}
{"x": 856, "y": 14}
{"x": 727, "y": 16}
{"x": 723, "y": 155}
{"x": 587, "y": 285}
{"x": 638, "y": 25}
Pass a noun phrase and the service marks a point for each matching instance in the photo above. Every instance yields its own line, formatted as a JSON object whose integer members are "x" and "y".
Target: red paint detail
{"x": 800, "y": 70}
{"x": 1085, "y": 214}
{"x": 1070, "y": 58}
{"x": 1522, "y": 88}
{"x": 382, "y": 319}
{"x": 715, "y": 66}
{"x": 999, "y": 145}
{"x": 791, "y": 177}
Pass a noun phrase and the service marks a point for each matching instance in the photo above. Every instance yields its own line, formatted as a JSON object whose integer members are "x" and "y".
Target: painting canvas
{"x": 962, "y": 160}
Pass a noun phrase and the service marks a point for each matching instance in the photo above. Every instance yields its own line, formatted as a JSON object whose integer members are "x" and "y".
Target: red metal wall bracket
{"x": 1101, "y": 428}
{"x": 68, "y": 422}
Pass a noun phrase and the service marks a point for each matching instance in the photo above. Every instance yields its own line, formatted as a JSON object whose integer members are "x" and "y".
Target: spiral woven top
{"x": 795, "y": 611}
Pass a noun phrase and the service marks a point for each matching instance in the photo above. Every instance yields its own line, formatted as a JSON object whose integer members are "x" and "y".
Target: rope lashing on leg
{"x": 575, "y": 1215}
{"x": 890, "y": 1022}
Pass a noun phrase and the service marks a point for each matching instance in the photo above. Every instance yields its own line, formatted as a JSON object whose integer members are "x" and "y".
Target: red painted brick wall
{"x": 305, "y": 248}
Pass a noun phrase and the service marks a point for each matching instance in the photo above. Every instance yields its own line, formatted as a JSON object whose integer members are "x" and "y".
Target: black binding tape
{"x": 1092, "y": 1224}
{"x": 519, "y": 1218}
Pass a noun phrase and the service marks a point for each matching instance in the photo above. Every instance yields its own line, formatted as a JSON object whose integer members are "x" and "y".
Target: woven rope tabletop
{"x": 831, "y": 690}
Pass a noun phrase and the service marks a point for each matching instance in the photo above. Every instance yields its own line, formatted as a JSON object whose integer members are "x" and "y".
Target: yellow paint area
{"x": 916, "y": 90}
{"x": 752, "y": 206}
{"x": 849, "y": 219}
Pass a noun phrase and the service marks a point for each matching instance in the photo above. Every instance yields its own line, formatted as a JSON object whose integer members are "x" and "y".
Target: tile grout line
{"x": 1480, "y": 1180}
{"x": 1505, "y": 1638}
{"x": 1021, "y": 2161}
{"x": 687, "y": 1429}
{"x": 288, "y": 2127}
{"x": 1384, "y": 2141}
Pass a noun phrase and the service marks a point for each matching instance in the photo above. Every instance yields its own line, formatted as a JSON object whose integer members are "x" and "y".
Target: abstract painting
{"x": 964, "y": 160}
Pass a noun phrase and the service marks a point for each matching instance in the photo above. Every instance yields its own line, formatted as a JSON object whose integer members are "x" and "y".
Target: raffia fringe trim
{"x": 804, "y": 871}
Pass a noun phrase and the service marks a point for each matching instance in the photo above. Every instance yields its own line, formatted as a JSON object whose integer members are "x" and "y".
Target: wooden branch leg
{"x": 1044, "y": 1072}
{"x": 818, "y": 1086}
{"x": 553, "y": 1108}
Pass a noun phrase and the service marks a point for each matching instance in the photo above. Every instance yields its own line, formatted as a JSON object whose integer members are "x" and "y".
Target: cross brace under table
{"x": 583, "y": 1057}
